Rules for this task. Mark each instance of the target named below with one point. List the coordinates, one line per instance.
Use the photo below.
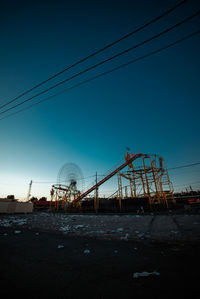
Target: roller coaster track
(106, 178)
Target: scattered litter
(60, 246)
(37, 234)
(12, 220)
(17, 232)
(140, 210)
(5, 223)
(5, 234)
(125, 238)
(116, 251)
(78, 226)
(120, 230)
(20, 222)
(135, 248)
(44, 214)
(145, 274)
(65, 229)
(141, 235)
(86, 251)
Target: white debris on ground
(60, 246)
(123, 227)
(145, 274)
(86, 251)
(17, 232)
(125, 238)
(64, 229)
(10, 221)
(120, 230)
(78, 226)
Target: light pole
(29, 190)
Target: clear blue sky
(151, 106)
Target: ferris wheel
(71, 175)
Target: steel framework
(62, 196)
(147, 177)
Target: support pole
(147, 182)
(96, 196)
(120, 191)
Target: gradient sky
(151, 106)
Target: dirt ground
(73, 262)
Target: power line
(183, 175)
(53, 182)
(106, 60)
(98, 51)
(107, 72)
(183, 166)
(186, 184)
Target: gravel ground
(46, 255)
(124, 227)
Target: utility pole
(29, 190)
(96, 196)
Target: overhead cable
(105, 61)
(106, 72)
(97, 52)
(183, 166)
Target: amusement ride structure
(147, 178)
(69, 185)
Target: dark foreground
(32, 266)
